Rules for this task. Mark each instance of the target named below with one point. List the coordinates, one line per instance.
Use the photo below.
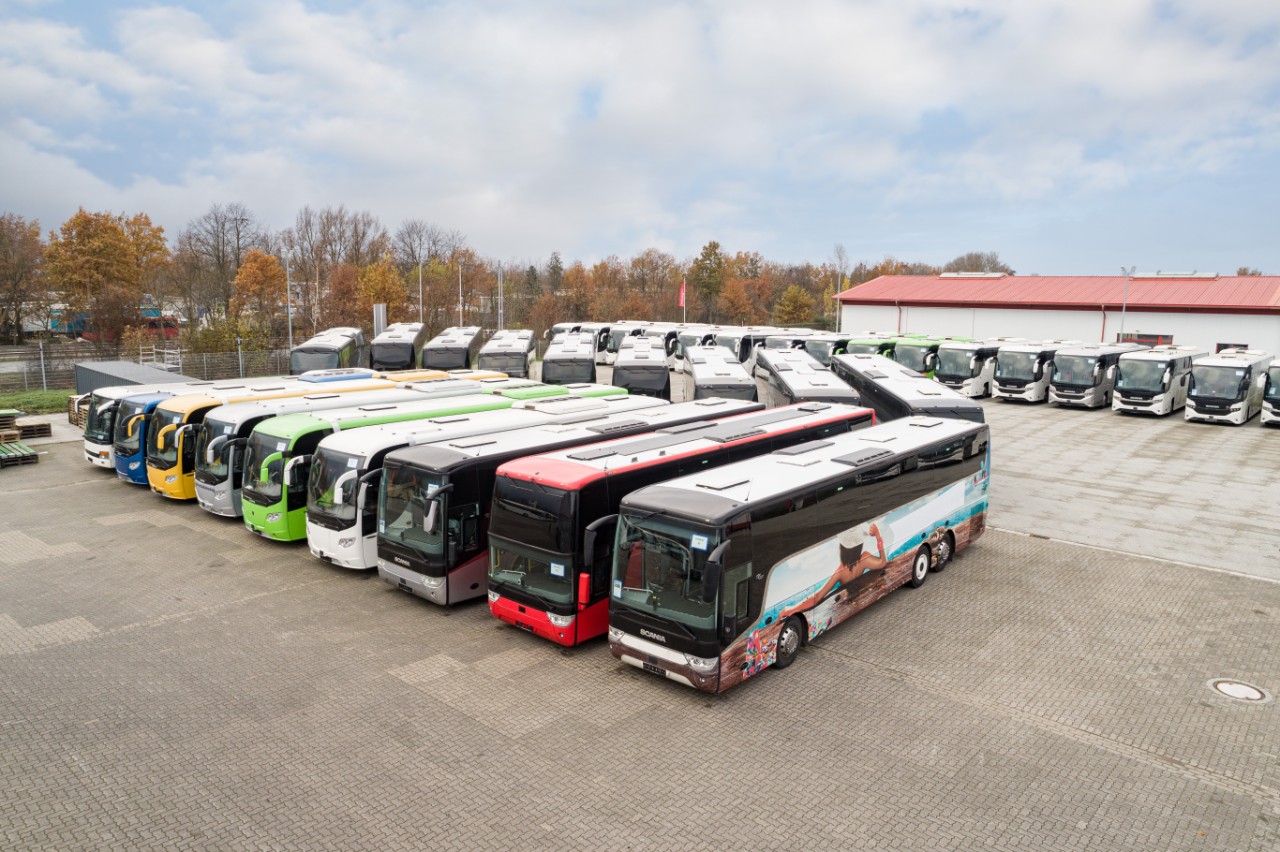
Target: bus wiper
(519, 577)
(524, 509)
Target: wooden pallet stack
(12, 434)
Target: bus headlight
(169, 480)
(273, 517)
(560, 620)
(346, 542)
(702, 665)
(1235, 408)
(494, 597)
(615, 635)
(134, 465)
(433, 582)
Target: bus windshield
(911, 356)
(264, 492)
(615, 338)
(564, 372)
(128, 443)
(99, 420)
(956, 362)
(658, 568)
(168, 456)
(330, 469)
(212, 473)
(1022, 366)
(503, 362)
(1229, 383)
(301, 361)
(393, 355)
(1075, 370)
(1273, 385)
(1141, 375)
(820, 350)
(548, 576)
(404, 503)
(862, 348)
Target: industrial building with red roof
(1211, 311)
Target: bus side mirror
(1111, 372)
(584, 590)
(273, 460)
(431, 523)
(214, 447)
(713, 572)
(128, 428)
(163, 433)
(290, 465)
(341, 485)
(589, 537)
(369, 480)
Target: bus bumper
(96, 454)
(533, 621)
(419, 585)
(664, 662)
(217, 501)
(344, 548)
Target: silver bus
(331, 349)
(1085, 376)
(1228, 387)
(788, 376)
(509, 351)
(1154, 381)
(398, 347)
(1023, 370)
(570, 358)
(893, 391)
(712, 370)
(453, 349)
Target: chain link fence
(30, 368)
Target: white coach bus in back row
(1154, 381)
(1227, 387)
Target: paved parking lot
(167, 680)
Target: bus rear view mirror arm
(431, 523)
(290, 465)
(589, 536)
(160, 436)
(215, 446)
(712, 572)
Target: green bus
(921, 353)
(278, 452)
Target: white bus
(712, 370)
(641, 367)
(969, 367)
(893, 391)
(509, 351)
(720, 574)
(454, 348)
(1270, 415)
(331, 349)
(1085, 376)
(788, 376)
(1154, 381)
(1023, 370)
(398, 347)
(342, 489)
(571, 357)
(1227, 387)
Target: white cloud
(607, 128)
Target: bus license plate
(651, 668)
(404, 587)
(528, 628)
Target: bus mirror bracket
(431, 522)
(589, 536)
(215, 446)
(340, 485)
(290, 465)
(712, 573)
(367, 481)
(132, 421)
(160, 436)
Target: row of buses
(407, 346)
(708, 539)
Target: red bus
(552, 521)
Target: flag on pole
(680, 304)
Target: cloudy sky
(1071, 137)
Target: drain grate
(1239, 690)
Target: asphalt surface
(169, 681)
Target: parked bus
(219, 472)
(1270, 415)
(1085, 376)
(892, 391)
(509, 351)
(687, 338)
(743, 340)
(561, 328)
(570, 358)
(1227, 387)
(1154, 381)
(453, 349)
(171, 439)
(969, 367)
(552, 523)
(721, 574)
(435, 499)
(868, 343)
(713, 371)
(342, 489)
(618, 332)
(104, 406)
(641, 367)
(331, 349)
(787, 376)
(1024, 370)
(279, 451)
(921, 353)
(130, 435)
(398, 347)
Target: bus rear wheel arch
(790, 638)
(920, 566)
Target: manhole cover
(1239, 690)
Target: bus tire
(946, 551)
(790, 637)
(920, 566)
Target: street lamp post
(419, 290)
(459, 292)
(288, 301)
(1124, 306)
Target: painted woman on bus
(857, 570)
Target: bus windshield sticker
(351, 462)
(617, 588)
(698, 542)
(557, 569)
(280, 446)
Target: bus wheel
(946, 549)
(788, 643)
(920, 567)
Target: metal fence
(54, 367)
